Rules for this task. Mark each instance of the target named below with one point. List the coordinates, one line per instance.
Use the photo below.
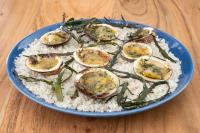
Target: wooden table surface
(180, 18)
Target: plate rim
(42, 102)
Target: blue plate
(175, 47)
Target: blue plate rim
(95, 114)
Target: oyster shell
(134, 50)
(101, 32)
(46, 64)
(152, 69)
(91, 57)
(55, 38)
(97, 83)
(144, 35)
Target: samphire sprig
(140, 101)
(66, 65)
(123, 74)
(34, 59)
(78, 39)
(163, 52)
(56, 83)
(51, 54)
(78, 25)
(114, 58)
(123, 24)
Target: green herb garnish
(163, 52)
(75, 95)
(66, 65)
(125, 74)
(32, 79)
(49, 54)
(78, 25)
(121, 25)
(114, 58)
(140, 100)
(56, 86)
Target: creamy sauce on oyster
(101, 32)
(55, 38)
(45, 63)
(152, 68)
(134, 50)
(91, 57)
(97, 82)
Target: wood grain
(181, 18)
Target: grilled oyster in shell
(97, 83)
(55, 38)
(152, 69)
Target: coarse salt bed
(82, 102)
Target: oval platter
(175, 47)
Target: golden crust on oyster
(101, 32)
(134, 50)
(91, 57)
(143, 35)
(97, 83)
(55, 38)
(152, 69)
(46, 64)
